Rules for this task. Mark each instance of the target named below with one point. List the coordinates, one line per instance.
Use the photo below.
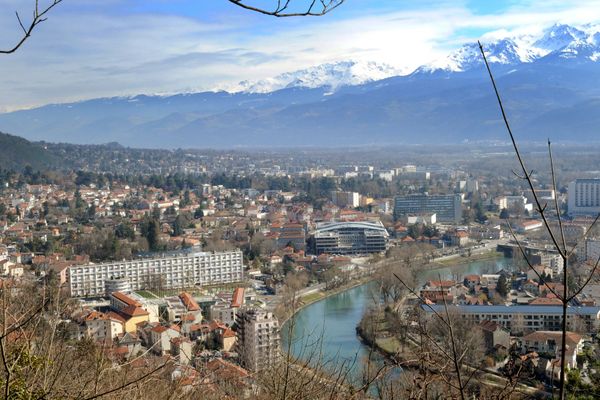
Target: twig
(38, 18)
(280, 10)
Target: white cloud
(84, 53)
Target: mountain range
(548, 83)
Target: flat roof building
(584, 197)
(173, 271)
(527, 318)
(448, 208)
(350, 237)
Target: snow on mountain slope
(332, 75)
(564, 41)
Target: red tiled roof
(189, 301)
(125, 299)
(226, 370)
(238, 298)
(134, 311)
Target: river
(326, 331)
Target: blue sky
(97, 48)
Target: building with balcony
(259, 338)
(584, 197)
(529, 318)
(171, 271)
(446, 207)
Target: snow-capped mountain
(548, 81)
(331, 75)
(560, 40)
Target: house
(160, 338)
(495, 336)
(101, 327)
(549, 342)
(131, 342)
(182, 348)
(459, 238)
(471, 281)
(129, 309)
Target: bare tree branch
(39, 16)
(522, 250)
(518, 153)
(314, 9)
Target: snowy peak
(331, 75)
(503, 51)
(563, 41)
(558, 37)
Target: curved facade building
(350, 237)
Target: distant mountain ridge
(548, 82)
(331, 75)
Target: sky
(102, 48)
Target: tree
(558, 239)
(151, 231)
(502, 286)
(504, 214)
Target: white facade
(592, 250)
(584, 197)
(171, 272)
(345, 199)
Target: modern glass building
(350, 237)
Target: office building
(170, 271)
(350, 237)
(446, 207)
(584, 197)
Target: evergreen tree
(502, 286)
(151, 231)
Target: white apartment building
(172, 271)
(527, 318)
(584, 197)
(345, 199)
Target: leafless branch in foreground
(39, 16)
(559, 242)
(314, 8)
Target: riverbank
(312, 298)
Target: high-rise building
(259, 338)
(446, 207)
(171, 271)
(584, 197)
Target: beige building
(259, 338)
